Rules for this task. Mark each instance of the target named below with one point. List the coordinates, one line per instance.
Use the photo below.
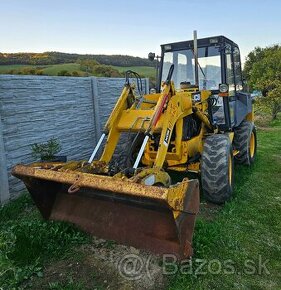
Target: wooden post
(4, 185)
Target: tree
(106, 71)
(88, 65)
(255, 56)
(263, 71)
(271, 99)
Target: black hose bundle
(132, 74)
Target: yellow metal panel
(149, 101)
(171, 116)
(137, 120)
(120, 105)
(112, 141)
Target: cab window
(209, 69)
(237, 69)
(229, 70)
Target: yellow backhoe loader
(198, 119)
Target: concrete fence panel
(34, 109)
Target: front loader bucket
(157, 219)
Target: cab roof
(202, 42)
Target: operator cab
(218, 63)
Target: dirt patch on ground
(262, 120)
(105, 265)
(268, 129)
(208, 211)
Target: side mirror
(151, 56)
(246, 87)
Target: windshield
(184, 71)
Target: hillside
(71, 64)
(47, 58)
(73, 69)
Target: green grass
(236, 236)
(247, 228)
(276, 123)
(145, 71)
(27, 242)
(52, 70)
(4, 69)
(68, 285)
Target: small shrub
(106, 71)
(28, 71)
(64, 73)
(39, 72)
(46, 151)
(75, 74)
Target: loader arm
(174, 113)
(118, 108)
(148, 119)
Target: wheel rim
(252, 145)
(230, 169)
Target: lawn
(5, 69)
(52, 70)
(246, 232)
(237, 246)
(146, 71)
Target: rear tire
(217, 169)
(245, 141)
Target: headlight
(167, 47)
(223, 88)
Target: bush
(39, 72)
(87, 65)
(75, 74)
(64, 73)
(46, 151)
(271, 100)
(106, 71)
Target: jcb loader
(198, 120)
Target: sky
(133, 27)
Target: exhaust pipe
(196, 57)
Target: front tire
(217, 169)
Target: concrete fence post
(4, 184)
(95, 97)
(147, 85)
